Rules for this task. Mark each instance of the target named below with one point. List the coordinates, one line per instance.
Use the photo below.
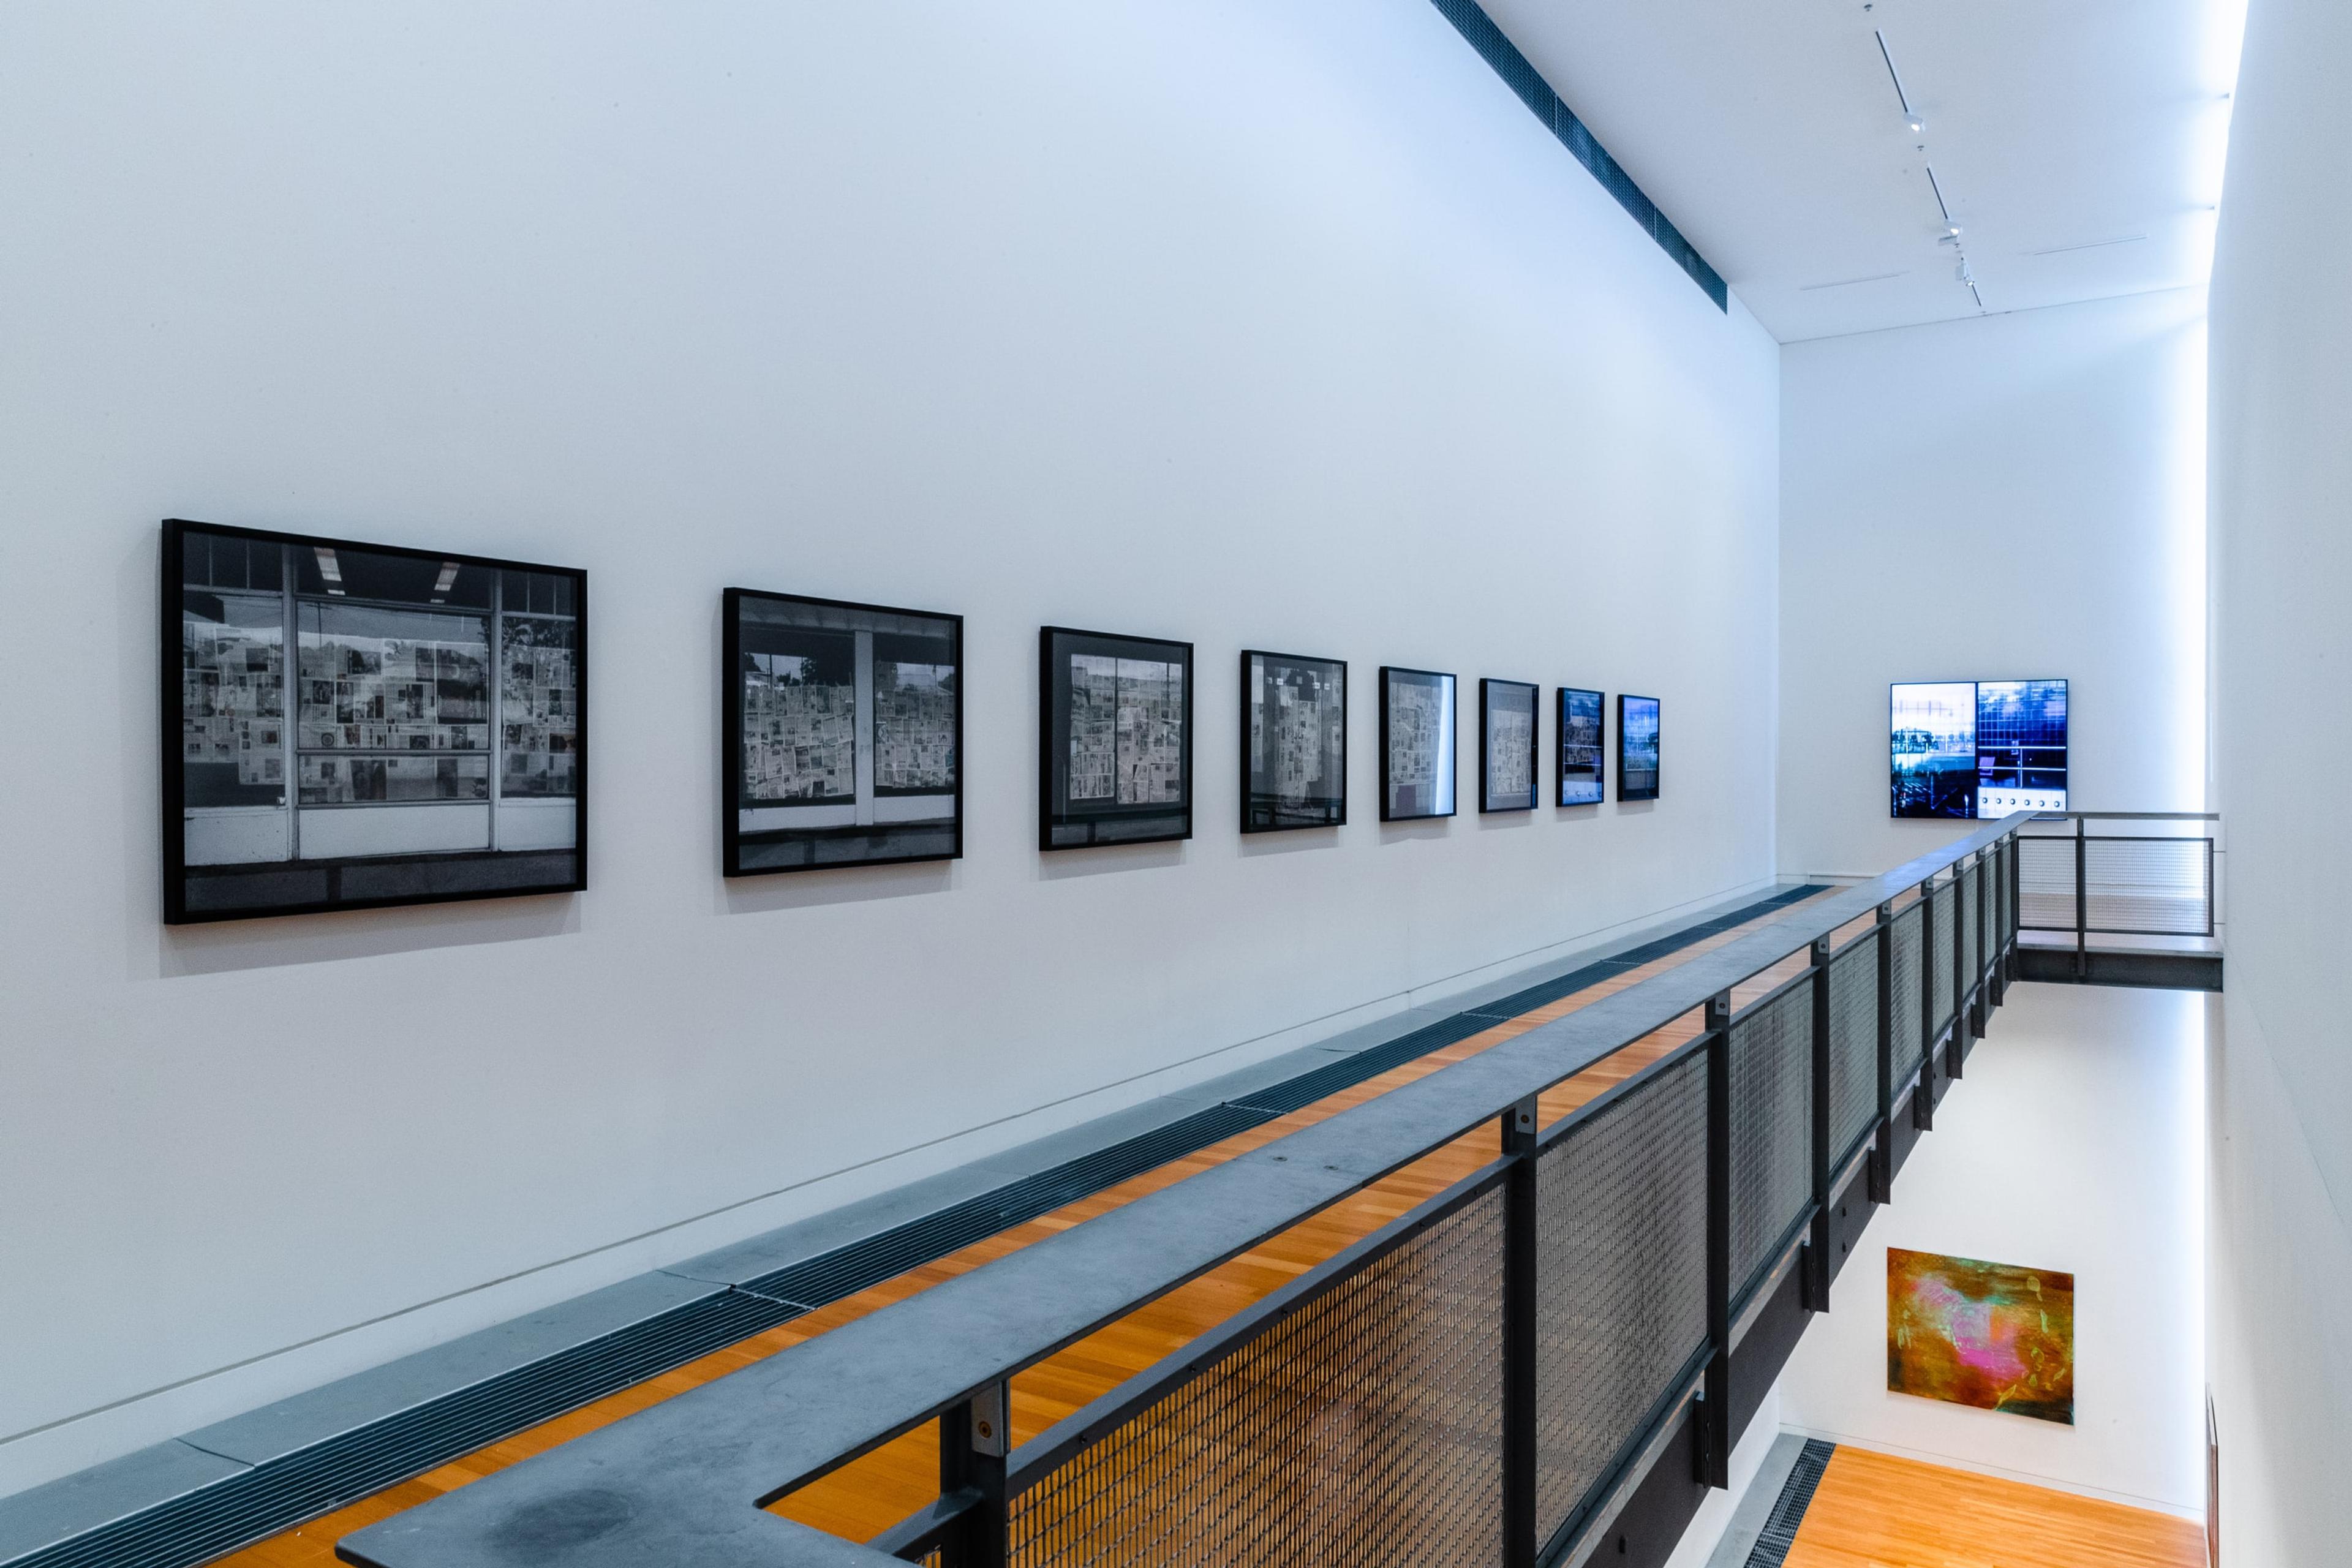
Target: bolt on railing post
(1714, 1411)
(1520, 1243)
(1817, 1271)
(974, 1438)
(1882, 1153)
(1923, 1100)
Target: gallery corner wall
(1281, 329)
(2282, 1076)
(2077, 1148)
(2063, 446)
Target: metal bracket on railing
(974, 1438)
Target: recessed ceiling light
(2089, 245)
(1848, 282)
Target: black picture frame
(1264, 805)
(1119, 769)
(383, 794)
(1640, 732)
(817, 818)
(1418, 759)
(1580, 771)
(1508, 770)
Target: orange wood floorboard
(1874, 1510)
(865, 1497)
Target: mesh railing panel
(1854, 1043)
(1621, 1272)
(1971, 939)
(1939, 962)
(2149, 886)
(2003, 853)
(1908, 1045)
(2045, 882)
(1365, 1425)
(1771, 1127)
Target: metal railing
(2157, 878)
(1485, 1380)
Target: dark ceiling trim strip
(1522, 78)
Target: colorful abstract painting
(1988, 1334)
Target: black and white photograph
(843, 734)
(1580, 753)
(1294, 741)
(1417, 744)
(1115, 728)
(1637, 748)
(1507, 744)
(426, 742)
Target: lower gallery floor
(1874, 1510)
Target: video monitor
(1977, 748)
(1580, 770)
(1637, 748)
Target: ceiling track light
(1911, 118)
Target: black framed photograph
(351, 726)
(1294, 741)
(1578, 764)
(1115, 728)
(1417, 761)
(1507, 744)
(842, 734)
(1637, 748)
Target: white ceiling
(1769, 132)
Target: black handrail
(686, 1479)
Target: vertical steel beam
(974, 1439)
(1963, 1000)
(2082, 901)
(2014, 914)
(1882, 1153)
(1520, 1243)
(1715, 1410)
(1817, 1261)
(1923, 1102)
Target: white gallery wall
(2075, 1143)
(1261, 326)
(2012, 497)
(2282, 1084)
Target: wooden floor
(1872, 1511)
(867, 1497)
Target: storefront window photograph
(434, 740)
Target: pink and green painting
(1989, 1334)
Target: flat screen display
(1637, 748)
(1977, 748)
(1580, 746)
